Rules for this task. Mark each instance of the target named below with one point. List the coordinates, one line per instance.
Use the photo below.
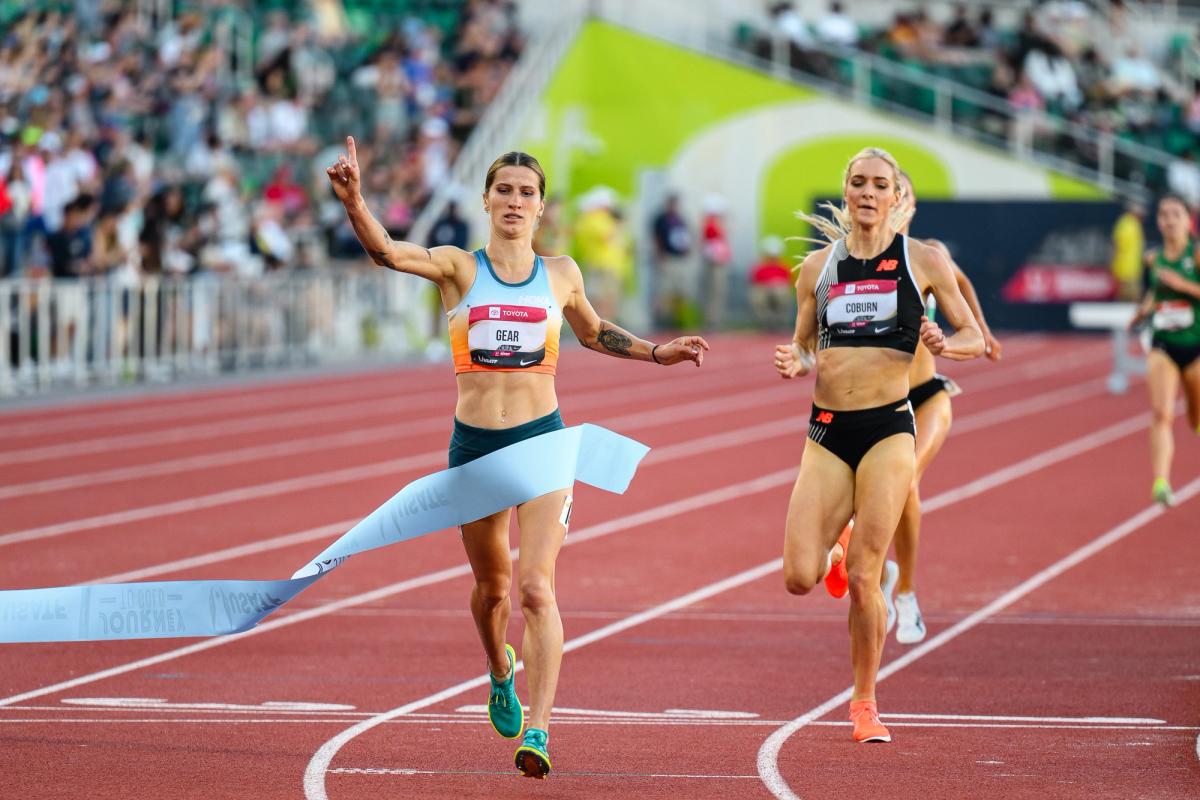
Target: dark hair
(516, 158)
(1172, 197)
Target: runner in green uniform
(1172, 306)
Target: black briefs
(849, 435)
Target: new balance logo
(887, 265)
(825, 417)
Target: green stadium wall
(622, 103)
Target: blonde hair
(840, 225)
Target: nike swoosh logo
(884, 329)
(525, 363)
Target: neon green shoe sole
(504, 707)
(1161, 492)
(532, 757)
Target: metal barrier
(96, 331)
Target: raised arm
(605, 337)
(437, 264)
(967, 341)
(798, 357)
(991, 346)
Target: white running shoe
(912, 627)
(891, 574)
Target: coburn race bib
(862, 308)
(507, 336)
(1173, 315)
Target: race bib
(513, 337)
(1173, 315)
(862, 308)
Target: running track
(1064, 611)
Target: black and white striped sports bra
(869, 303)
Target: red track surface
(1005, 703)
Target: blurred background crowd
(157, 138)
(135, 144)
(1081, 62)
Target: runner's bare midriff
(851, 378)
(504, 399)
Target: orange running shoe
(837, 580)
(867, 727)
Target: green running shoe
(533, 758)
(1161, 492)
(504, 707)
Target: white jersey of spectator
(61, 187)
(1053, 77)
(84, 165)
(1183, 178)
(436, 152)
(179, 39)
(1133, 71)
(258, 126)
(222, 191)
(792, 27)
(288, 121)
(836, 27)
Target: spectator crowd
(1094, 64)
(132, 145)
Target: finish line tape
(160, 609)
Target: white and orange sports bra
(507, 327)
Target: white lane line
(768, 754)
(991, 718)
(306, 417)
(823, 616)
(257, 400)
(478, 714)
(429, 720)
(314, 780)
(359, 385)
(564, 774)
(314, 775)
(582, 399)
(658, 513)
(968, 423)
(1045, 401)
(695, 502)
(682, 411)
(294, 446)
(253, 423)
(1051, 365)
(699, 446)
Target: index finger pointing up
(352, 150)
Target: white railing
(58, 334)
(1079, 150)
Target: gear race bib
(513, 337)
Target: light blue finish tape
(446, 499)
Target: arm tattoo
(614, 340)
(381, 258)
